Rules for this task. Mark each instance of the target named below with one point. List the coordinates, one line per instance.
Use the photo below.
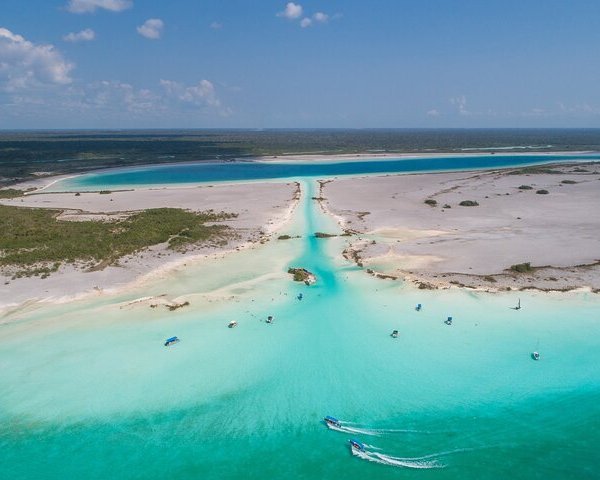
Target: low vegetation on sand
(11, 193)
(469, 203)
(302, 275)
(431, 202)
(522, 267)
(542, 192)
(324, 235)
(34, 241)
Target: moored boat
(270, 319)
(332, 421)
(448, 321)
(232, 324)
(535, 356)
(171, 341)
(394, 334)
(418, 307)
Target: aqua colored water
(88, 391)
(236, 171)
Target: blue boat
(448, 321)
(171, 341)
(332, 421)
(418, 307)
(300, 296)
(355, 445)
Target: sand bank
(262, 209)
(448, 244)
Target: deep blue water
(235, 171)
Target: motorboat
(171, 341)
(270, 319)
(448, 321)
(356, 446)
(394, 334)
(535, 356)
(300, 296)
(232, 324)
(332, 421)
(418, 307)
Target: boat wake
(347, 427)
(417, 463)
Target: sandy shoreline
(446, 245)
(263, 208)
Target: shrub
(525, 187)
(431, 202)
(446, 206)
(469, 203)
(542, 192)
(104, 192)
(284, 237)
(522, 267)
(569, 182)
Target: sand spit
(442, 244)
(262, 208)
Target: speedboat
(299, 297)
(332, 421)
(232, 324)
(171, 341)
(448, 321)
(356, 446)
(535, 355)
(394, 334)
(270, 319)
(418, 307)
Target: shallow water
(88, 391)
(191, 173)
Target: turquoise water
(88, 391)
(245, 171)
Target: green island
(34, 241)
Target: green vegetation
(12, 193)
(302, 275)
(568, 182)
(104, 192)
(33, 241)
(324, 235)
(469, 203)
(431, 202)
(525, 187)
(542, 192)
(284, 237)
(533, 171)
(522, 267)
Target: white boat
(535, 355)
(232, 324)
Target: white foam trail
(372, 447)
(376, 432)
(393, 461)
(344, 429)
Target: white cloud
(152, 28)
(25, 64)
(433, 113)
(461, 104)
(292, 11)
(321, 17)
(90, 6)
(216, 25)
(84, 36)
(201, 94)
(305, 22)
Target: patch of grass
(431, 202)
(522, 267)
(33, 238)
(533, 171)
(542, 192)
(11, 193)
(469, 203)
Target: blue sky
(313, 63)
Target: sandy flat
(261, 209)
(402, 235)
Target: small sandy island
(260, 207)
(522, 228)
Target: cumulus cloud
(203, 93)
(305, 22)
(292, 11)
(84, 36)
(321, 17)
(433, 113)
(461, 104)
(90, 6)
(216, 25)
(24, 64)
(152, 28)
